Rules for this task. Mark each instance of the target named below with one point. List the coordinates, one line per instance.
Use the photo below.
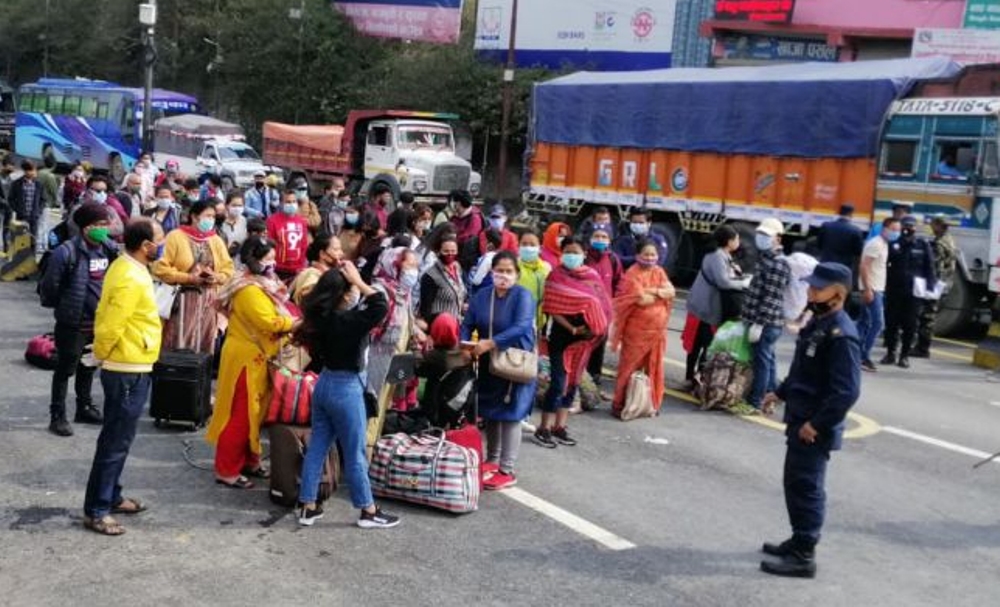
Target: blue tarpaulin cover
(807, 109)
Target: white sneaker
(528, 427)
(377, 520)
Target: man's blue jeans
(870, 324)
(765, 368)
(338, 412)
(125, 396)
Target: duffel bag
(426, 469)
(41, 352)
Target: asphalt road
(687, 498)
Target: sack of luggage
(638, 398)
(291, 398)
(428, 470)
(732, 339)
(288, 447)
(41, 352)
(722, 382)
(182, 386)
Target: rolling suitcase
(182, 385)
(288, 445)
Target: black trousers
(805, 490)
(595, 366)
(901, 312)
(70, 342)
(702, 340)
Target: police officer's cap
(829, 273)
(909, 220)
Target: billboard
(769, 11)
(593, 34)
(770, 48)
(982, 14)
(423, 20)
(960, 45)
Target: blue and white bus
(76, 120)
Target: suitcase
(182, 386)
(288, 444)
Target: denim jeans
(805, 491)
(870, 324)
(125, 396)
(765, 371)
(554, 397)
(338, 412)
(70, 342)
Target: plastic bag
(731, 338)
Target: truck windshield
(418, 137)
(238, 152)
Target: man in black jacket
(72, 285)
(910, 258)
(25, 197)
(840, 240)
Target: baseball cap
(771, 227)
(259, 173)
(498, 211)
(829, 273)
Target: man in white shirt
(871, 281)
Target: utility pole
(45, 39)
(508, 92)
(147, 17)
(300, 14)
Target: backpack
(722, 382)
(72, 261)
(451, 398)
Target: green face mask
(98, 235)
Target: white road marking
(568, 519)
(994, 403)
(936, 442)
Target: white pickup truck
(202, 145)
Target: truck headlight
(474, 189)
(419, 185)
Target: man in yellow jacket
(127, 342)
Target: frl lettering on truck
(793, 142)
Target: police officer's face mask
(822, 308)
(909, 232)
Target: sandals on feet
(241, 482)
(129, 505)
(105, 525)
(259, 472)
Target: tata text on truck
(736, 145)
(201, 144)
(407, 151)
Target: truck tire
(679, 251)
(746, 256)
(116, 169)
(955, 314)
(388, 180)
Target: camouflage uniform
(945, 254)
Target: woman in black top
(335, 330)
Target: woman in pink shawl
(580, 308)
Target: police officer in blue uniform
(840, 240)
(822, 385)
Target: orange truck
(407, 151)
(703, 147)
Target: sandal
(105, 525)
(241, 482)
(129, 505)
(259, 472)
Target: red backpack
(41, 352)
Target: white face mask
(763, 241)
(409, 278)
(163, 203)
(503, 281)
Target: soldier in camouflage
(945, 254)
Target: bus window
(38, 104)
(102, 111)
(24, 103)
(88, 107)
(899, 157)
(955, 159)
(55, 103)
(989, 169)
(71, 105)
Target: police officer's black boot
(799, 561)
(782, 549)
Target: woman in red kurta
(642, 310)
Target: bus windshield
(7, 103)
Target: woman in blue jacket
(502, 404)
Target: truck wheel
(746, 256)
(955, 312)
(389, 181)
(678, 250)
(116, 168)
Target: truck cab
(234, 161)
(419, 155)
(940, 155)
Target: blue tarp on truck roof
(811, 109)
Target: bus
(66, 121)
(6, 116)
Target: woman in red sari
(642, 310)
(580, 308)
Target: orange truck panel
(798, 190)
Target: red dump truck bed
(316, 148)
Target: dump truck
(407, 151)
(699, 148)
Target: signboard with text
(770, 48)
(423, 20)
(768, 11)
(982, 14)
(960, 45)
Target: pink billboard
(424, 20)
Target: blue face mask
(640, 229)
(100, 197)
(572, 261)
(599, 245)
(206, 225)
(892, 235)
(529, 254)
(351, 219)
(290, 209)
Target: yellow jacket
(178, 258)
(127, 328)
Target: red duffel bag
(41, 352)
(291, 397)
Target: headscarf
(550, 241)
(195, 234)
(444, 331)
(386, 276)
(272, 287)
